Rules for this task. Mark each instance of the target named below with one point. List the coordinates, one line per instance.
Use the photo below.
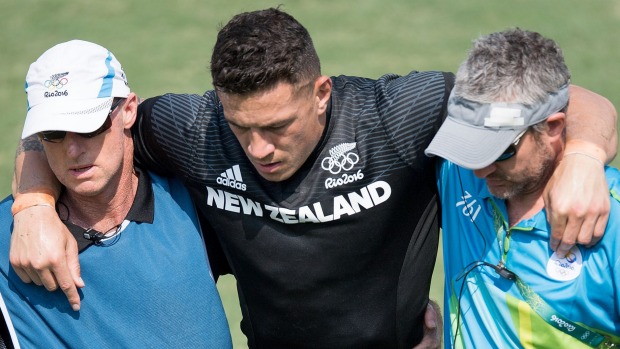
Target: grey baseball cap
(475, 134)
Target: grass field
(165, 46)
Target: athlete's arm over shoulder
(169, 127)
(42, 250)
(412, 108)
(155, 126)
(577, 195)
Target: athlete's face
(525, 173)
(279, 128)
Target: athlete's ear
(322, 91)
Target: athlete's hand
(577, 202)
(433, 328)
(43, 251)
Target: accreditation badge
(565, 268)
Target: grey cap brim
(475, 134)
(470, 146)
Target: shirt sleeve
(168, 129)
(412, 108)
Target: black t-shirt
(341, 254)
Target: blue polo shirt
(148, 287)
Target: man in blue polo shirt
(150, 283)
(502, 140)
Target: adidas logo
(232, 178)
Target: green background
(165, 46)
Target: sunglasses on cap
(58, 136)
(512, 148)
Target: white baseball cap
(71, 88)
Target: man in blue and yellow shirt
(504, 136)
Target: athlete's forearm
(147, 151)
(577, 196)
(591, 125)
(32, 173)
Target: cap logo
(55, 83)
(504, 116)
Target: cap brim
(80, 116)
(468, 146)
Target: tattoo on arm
(31, 143)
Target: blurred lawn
(165, 46)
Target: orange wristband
(27, 200)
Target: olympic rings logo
(340, 159)
(342, 162)
(56, 84)
(57, 81)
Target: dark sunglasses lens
(106, 125)
(52, 136)
(57, 136)
(508, 153)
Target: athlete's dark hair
(256, 50)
